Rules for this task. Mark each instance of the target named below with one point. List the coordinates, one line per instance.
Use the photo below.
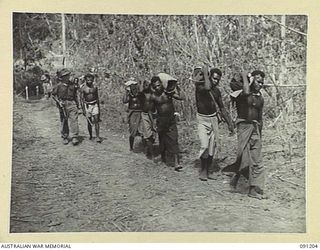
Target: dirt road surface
(106, 188)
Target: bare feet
(256, 193)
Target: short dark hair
(258, 72)
(215, 70)
(89, 75)
(155, 79)
(196, 70)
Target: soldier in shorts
(46, 85)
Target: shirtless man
(91, 106)
(166, 122)
(134, 98)
(208, 100)
(147, 119)
(249, 126)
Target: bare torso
(90, 94)
(147, 105)
(204, 100)
(163, 104)
(250, 107)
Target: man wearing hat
(91, 106)
(134, 98)
(166, 120)
(209, 105)
(249, 102)
(46, 85)
(66, 93)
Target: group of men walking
(151, 111)
(73, 99)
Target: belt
(69, 100)
(91, 103)
(211, 115)
(135, 110)
(240, 120)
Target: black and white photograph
(158, 123)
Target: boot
(203, 174)
(177, 166)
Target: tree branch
(291, 29)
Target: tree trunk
(196, 35)
(283, 56)
(63, 25)
(21, 40)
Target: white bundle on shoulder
(165, 78)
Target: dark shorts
(168, 134)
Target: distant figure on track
(90, 105)
(65, 94)
(134, 98)
(46, 85)
(249, 126)
(165, 90)
(208, 101)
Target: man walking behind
(249, 126)
(134, 98)
(209, 105)
(165, 90)
(90, 104)
(147, 119)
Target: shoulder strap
(214, 100)
(219, 116)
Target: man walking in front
(208, 100)
(46, 85)
(65, 94)
(249, 126)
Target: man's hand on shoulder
(231, 128)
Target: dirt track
(105, 187)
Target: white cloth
(165, 78)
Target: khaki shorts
(92, 109)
